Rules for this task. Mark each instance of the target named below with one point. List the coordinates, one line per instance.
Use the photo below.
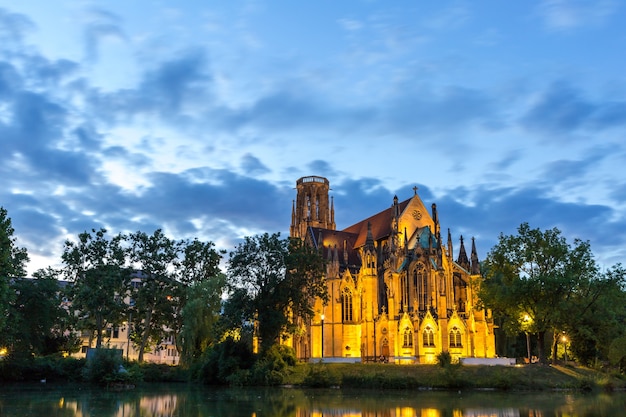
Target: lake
(181, 400)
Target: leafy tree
(595, 315)
(13, 261)
(37, 321)
(155, 299)
(199, 318)
(97, 267)
(201, 301)
(274, 282)
(536, 274)
(617, 353)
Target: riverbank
(345, 375)
(519, 378)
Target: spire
(345, 252)
(450, 250)
(435, 218)
(475, 263)
(396, 212)
(293, 217)
(369, 240)
(462, 260)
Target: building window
(116, 333)
(408, 337)
(346, 306)
(83, 349)
(455, 338)
(404, 283)
(429, 337)
(420, 284)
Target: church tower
(312, 207)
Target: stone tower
(312, 207)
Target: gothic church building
(397, 294)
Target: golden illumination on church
(397, 294)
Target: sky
(197, 117)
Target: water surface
(182, 400)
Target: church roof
(380, 224)
(326, 238)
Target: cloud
(572, 14)
(100, 25)
(563, 108)
(170, 89)
(13, 28)
(486, 212)
(253, 165)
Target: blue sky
(198, 117)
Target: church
(397, 294)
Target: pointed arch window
(408, 337)
(404, 282)
(429, 337)
(317, 207)
(308, 207)
(346, 306)
(455, 338)
(420, 284)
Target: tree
(201, 300)
(97, 267)
(199, 316)
(597, 316)
(38, 323)
(13, 261)
(536, 274)
(156, 259)
(274, 282)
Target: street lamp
(322, 317)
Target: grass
(523, 378)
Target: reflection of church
(396, 293)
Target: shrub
(444, 359)
(223, 360)
(104, 366)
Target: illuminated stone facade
(396, 293)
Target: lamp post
(322, 317)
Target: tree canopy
(273, 282)
(12, 263)
(96, 265)
(541, 283)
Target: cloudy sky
(198, 117)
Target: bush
(50, 368)
(444, 359)
(223, 360)
(104, 366)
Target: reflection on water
(198, 401)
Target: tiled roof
(381, 225)
(335, 238)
